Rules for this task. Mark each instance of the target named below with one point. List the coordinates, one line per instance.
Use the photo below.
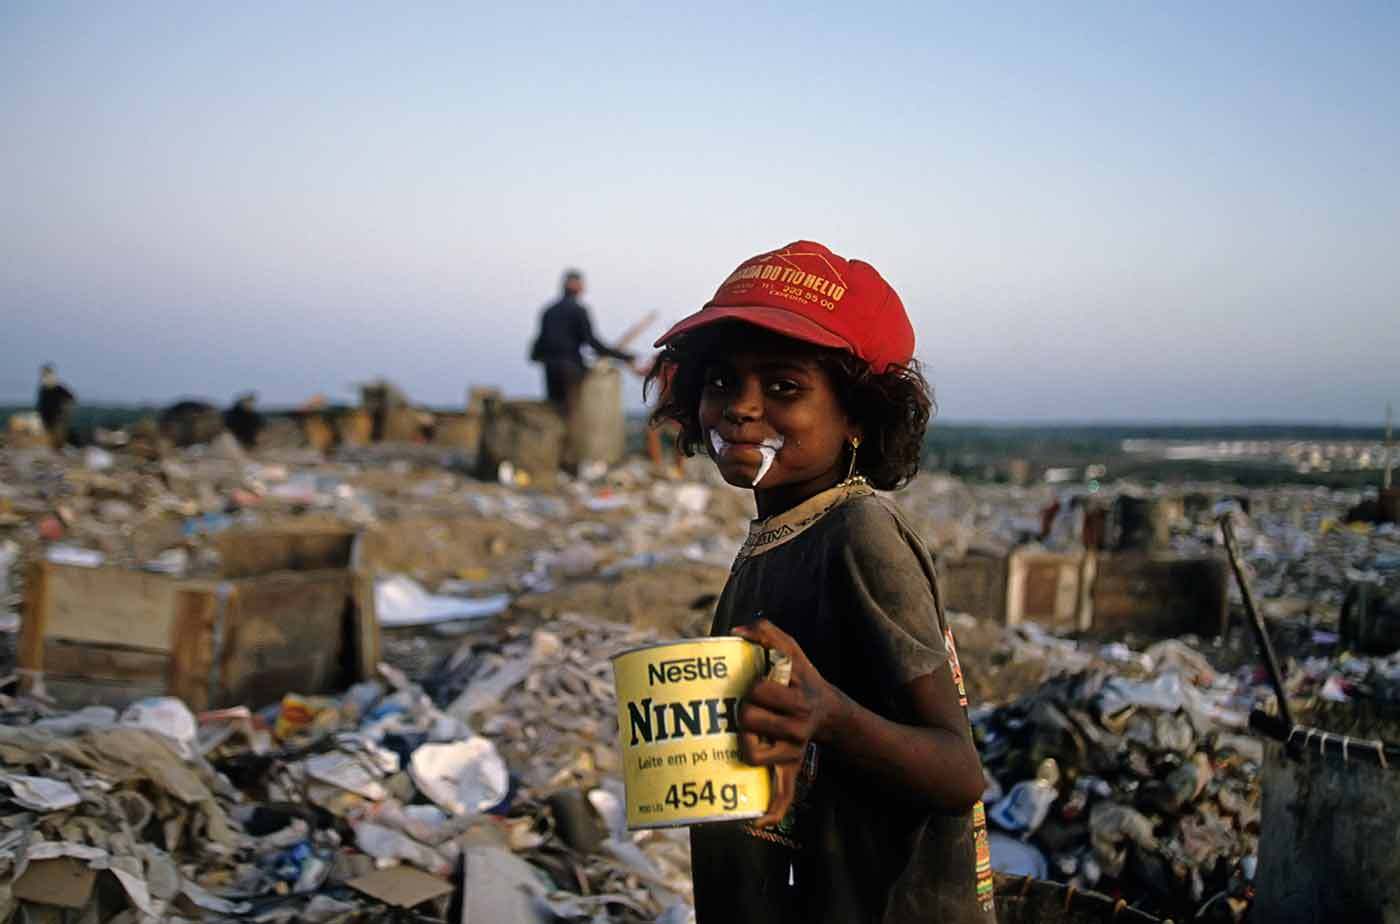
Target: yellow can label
(678, 724)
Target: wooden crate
(1160, 595)
(433, 548)
(402, 425)
(319, 432)
(108, 635)
(292, 547)
(356, 427)
(1048, 588)
(458, 431)
(975, 584)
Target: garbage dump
(1133, 774)
(495, 782)
(475, 772)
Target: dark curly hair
(892, 407)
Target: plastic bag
(168, 717)
(463, 777)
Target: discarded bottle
(1028, 804)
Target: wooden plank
(356, 428)
(1159, 596)
(75, 692)
(190, 669)
(1042, 591)
(34, 620)
(461, 431)
(975, 584)
(117, 664)
(402, 425)
(284, 632)
(109, 605)
(245, 553)
(366, 628)
(1084, 601)
(1043, 586)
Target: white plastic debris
(359, 772)
(426, 824)
(96, 459)
(166, 716)
(9, 554)
(39, 794)
(322, 909)
(208, 901)
(72, 555)
(592, 470)
(171, 561)
(463, 777)
(608, 800)
(384, 843)
(402, 601)
(692, 497)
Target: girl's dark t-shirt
(845, 576)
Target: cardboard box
(1160, 595)
(109, 635)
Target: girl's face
(772, 422)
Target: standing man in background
(564, 329)
(244, 420)
(53, 404)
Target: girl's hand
(776, 722)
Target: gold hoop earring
(851, 468)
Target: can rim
(687, 641)
(697, 820)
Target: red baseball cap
(806, 292)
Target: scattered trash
(171, 561)
(166, 716)
(464, 777)
(9, 554)
(402, 887)
(402, 601)
(97, 459)
(490, 761)
(359, 769)
(1125, 773)
(72, 555)
(386, 844)
(62, 882)
(498, 886)
(1016, 857)
(39, 794)
(1027, 804)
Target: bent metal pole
(1261, 633)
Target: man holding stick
(565, 329)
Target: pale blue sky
(1180, 211)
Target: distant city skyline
(1182, 212)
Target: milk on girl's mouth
(767, 451)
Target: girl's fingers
(760, 721)
(784, 791)
(777, 697)
(758, 751)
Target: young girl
(798, 380)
